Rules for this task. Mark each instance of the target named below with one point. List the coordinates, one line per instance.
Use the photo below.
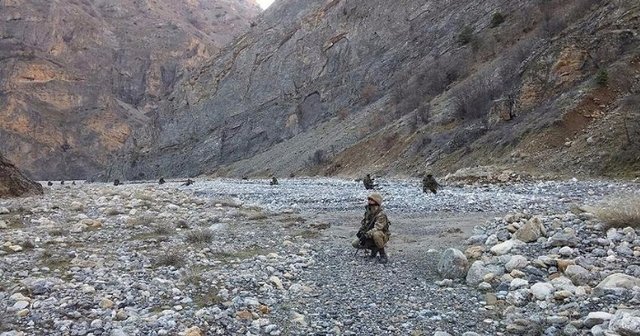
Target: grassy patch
(200, 236)
(13, 221)
(54, 262)
(163, 230)
(170, 259)
(193, 276)
(207, 297)
(58, 232)
(620, 212)
(308, 234)
(253, 214)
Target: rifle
(362, 232)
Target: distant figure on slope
(368, 182)
(429, 183)
(116, 182)
(188, 183)
(374, 229)
(161, 181)
(274, 181)
(49, 183)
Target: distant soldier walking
(274, 181)
(368, 182)
(374, 229)
(429, 183)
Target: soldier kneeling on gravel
(374, 229)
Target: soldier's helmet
(376, 197)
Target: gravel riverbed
(241, 257)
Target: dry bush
(368, 93)
(163, 230)
(174, 259)
(473, 98)
(412, 91)
(200, 236)
(57, 232)
(318, 158)
(620, 212)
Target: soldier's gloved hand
(369, 234)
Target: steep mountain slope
(76, 76)
(348, 86)
(14, 183)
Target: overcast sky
(264, 3)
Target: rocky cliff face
(347, 86)
(77, 76)
(14, 183)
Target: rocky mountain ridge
(77, 76)
(342, 87)
(14, 183)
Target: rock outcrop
(14, 183)
(317, 86)
(76, 77)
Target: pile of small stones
(562, 274)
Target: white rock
(516, 262)
(4, 211)
(15, 248)
(453, 264)
(594, 318)
(298, 318)
(19, 297)
(626, 323)
(578, 274)
(20, 305)
(542, 290)
(276, 281)
(503, 248)
(563, 283)
(531, 231)
(478, 270)
(617, 280)
(518, 283)
(441, 333)
(566, 251)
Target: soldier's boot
(383, 256)
(374, 252)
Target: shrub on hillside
(602, 77)
(497, 19)
(465, 36)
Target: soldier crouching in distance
(429, 184)
(374, 229)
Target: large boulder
(478, 270)
(505, 247)
(531, 231)
(578, 275)
(617, 281)
(625, 323)
(14, 183)
(453, 264)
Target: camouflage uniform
(429, 183)
(374, 229)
